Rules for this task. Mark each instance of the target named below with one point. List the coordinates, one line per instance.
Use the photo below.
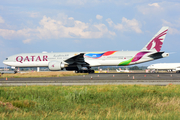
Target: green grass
(90, 102)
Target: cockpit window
(6, 58)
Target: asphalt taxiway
(98, 79)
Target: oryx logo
(157, 42)
(52, 65)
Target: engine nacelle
(55, 65)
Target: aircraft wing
(77, 59)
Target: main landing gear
(84, 71)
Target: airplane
(122, 70)
(7, 72)
(75, 61)
(165, 66)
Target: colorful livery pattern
(99, 55)
(136, 58)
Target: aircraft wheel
(92, 71)
(89, 71)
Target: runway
(98, 79)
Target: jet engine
(56, 65)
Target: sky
(87, 25)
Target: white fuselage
(92, 58)
(165, 66)
(122, 70)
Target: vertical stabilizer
(156, 42)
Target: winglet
(156, 42)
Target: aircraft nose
(4, 62)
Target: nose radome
(4, 62)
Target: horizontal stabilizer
(157, 54)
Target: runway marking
(96, 79)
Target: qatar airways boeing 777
(77, 60)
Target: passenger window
(6, 58)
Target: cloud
(166, 23)
(66, 27)
(119, 27)
(1, 20)
(76, 2)
(110, 22)
(99, 17)
(132, 24)
(99, 2)
(57, 29)
(174, 31)
(154, 5)
(33, 14)
(71, 18)
(150, 9)
(10, 34)
(126, 25)
(173, 28)
(77, 41)
(27, 41)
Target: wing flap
(77, 59)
